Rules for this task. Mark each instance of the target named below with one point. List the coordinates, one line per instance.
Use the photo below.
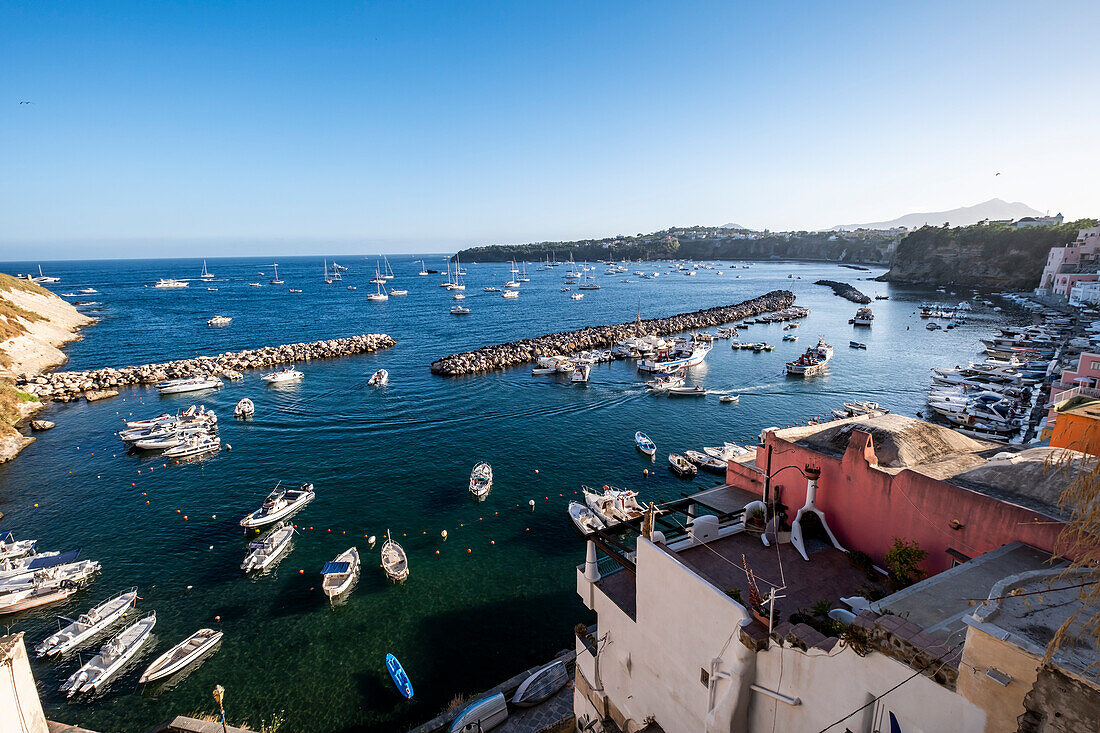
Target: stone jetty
(502, 356)
(844, 290)
(67, 386)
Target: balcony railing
(1063, 397)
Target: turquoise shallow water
(499, 596)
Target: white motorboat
(458, 310)
(379, 378)
(340, 574)
(584, 518)
(282, 376)
(11, 548)
(64, 573)
(577, 296)
(87, 625)
(510, 294)
(180, 436)
(481, 480)
(14, 567)
(813, 361)
(458, 296)
(195, 446)
(581, 373)
(727, 398)
(182, 655)
(644, 444)
(613, 505)
(727, 451)
(169, 283)
(542, 371)
(45, 278)
(280, 504)
(164, 417)
(683, 391)
(97, 672)
(394, 560)
(491, 289)
(398, 293)
(194, 384)
(264, 553)
(245, 408)
(681, 466)
(864, 317)
(219, 321)
(682, 356)
(706, 462)
(28, 598)
(665, 383)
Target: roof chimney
(813, 473)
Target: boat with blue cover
(397, 672)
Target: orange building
(1078, 427)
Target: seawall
(502, 356)
(844, 290)
(67, 386)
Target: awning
(335, 567)
(48, 562)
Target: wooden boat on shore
(481, 715)
(541, 685)
(394, 561)
(182, 655)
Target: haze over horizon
(278, 128)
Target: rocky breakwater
(844, 290)
(502, 356)
(67, 386)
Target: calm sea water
(494, 598)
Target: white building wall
(20, 708)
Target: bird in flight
(26, 103)
(997, 174)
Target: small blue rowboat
(399, 677)
(644, 444)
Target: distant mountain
(993, 209)
(734, 226)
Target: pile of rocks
(501, 356)
(844, 290)
(66, 386)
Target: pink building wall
(867, 507)
(1061, 259)
(1088, 367)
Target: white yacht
(683, 355)
(459, 310)
(191, 384)
(87, 625)
(863, 317)
(387, 273)
(581, 374)
(276, 280)
(195, 446)
(264, 553)
(340, 574)
(510, 294)
(423, 269)
(577, 296)
(280, 504)
(219, 321)
(168, 283)
(182, 655)
(206, 274)
(281, 376)
(112, 657)
(813, 361)
(44, 278)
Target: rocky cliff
(993, 256)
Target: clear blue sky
(405, 126)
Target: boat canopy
(49, 562)
(335, 567)
(257, 545)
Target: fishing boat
(394, 561)
(481, 480)
(379, 378)
(11, 548)
(195, 446)
(340, 574)
(706, 462)
(683, 391)
(813, 362)
(681, 466)
(245, 408)
(264, 553)
(281, 376)
(682, 356)
(581, 373)
(863, 317)
(87, 625)
(584, 518)
(613, 505)
(182, 655)
(276, 280)
(644, 444)
(205, 274)
(541, 685)
(727, 398)
(167, 283)
(280, 504)
(191, 384)
(97, 672)
(458, 310)
(481, 715)
(397, 674)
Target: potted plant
(755, 521)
